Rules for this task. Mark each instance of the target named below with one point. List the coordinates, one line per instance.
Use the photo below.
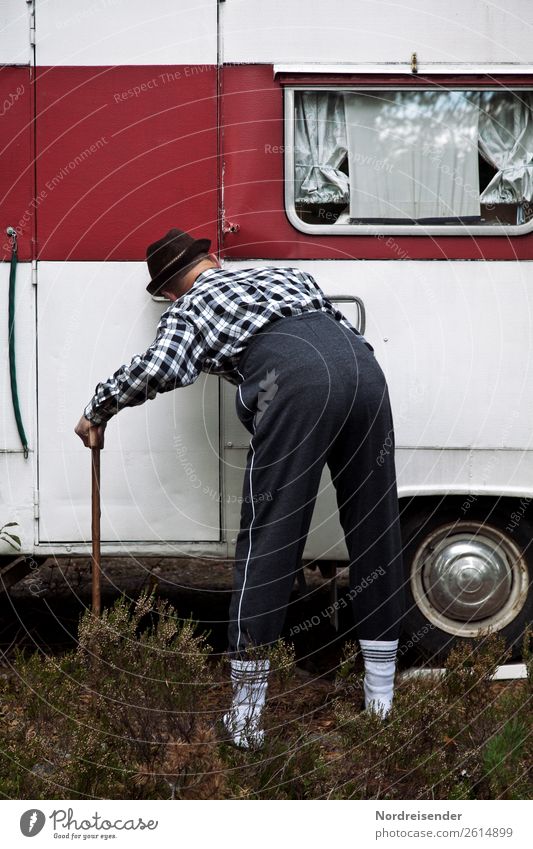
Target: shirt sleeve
(172, 360)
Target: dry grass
(131, 713)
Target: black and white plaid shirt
(206, 330)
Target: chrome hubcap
(468, 577)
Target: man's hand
(82, 429)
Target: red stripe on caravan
(253, 191)
(124, 153)
(16, 167)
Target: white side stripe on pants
(249, 548)
(240, 393)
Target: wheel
(466, 575)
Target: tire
(469, 569)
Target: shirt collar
(203, 273)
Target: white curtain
(412, 154)
(319, 148)
(506, 142)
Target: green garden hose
(11, 326)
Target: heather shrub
(133, 713)
(126, 715)
(456, 736)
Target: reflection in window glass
(404, 157)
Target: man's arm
(172, 360)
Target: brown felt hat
(170, 255)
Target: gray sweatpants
(312, 393)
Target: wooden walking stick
(94, 444)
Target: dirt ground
(44, 608)
(42, 611)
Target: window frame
(376, 229)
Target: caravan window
(409, 160)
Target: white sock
(243, 720)
(380, 666)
